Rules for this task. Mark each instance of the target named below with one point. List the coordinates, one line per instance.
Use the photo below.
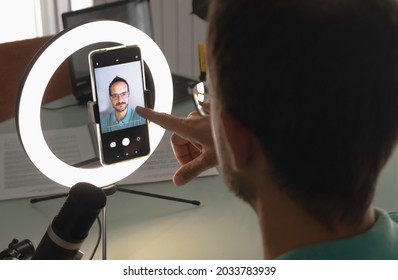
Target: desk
(143, 228)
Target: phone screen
(118, 87)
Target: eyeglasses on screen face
(122, 95)
(201, 98)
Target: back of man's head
(316, 81)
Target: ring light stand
(32, 89)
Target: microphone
(18, 250)
(70, 227)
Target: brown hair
(316, 81)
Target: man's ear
(242, 142)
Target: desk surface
(138, 227)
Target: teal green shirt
(378, 243)
(110, 123)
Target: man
(123, 116)
(303, 115)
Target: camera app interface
(119, 89)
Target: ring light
(40, 72)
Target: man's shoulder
(379, 242)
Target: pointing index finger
(167, 121)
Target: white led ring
(39, 74)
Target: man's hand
(191, 141)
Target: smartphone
(118, 86)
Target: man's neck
(120, 115)
(286, 226)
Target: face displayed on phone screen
(118, 77)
